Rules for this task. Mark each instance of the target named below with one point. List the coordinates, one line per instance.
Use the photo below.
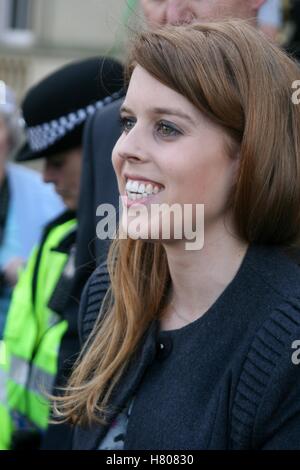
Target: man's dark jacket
(98, 184)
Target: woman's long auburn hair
(242, 82)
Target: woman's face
(4, 141)
(172, 149)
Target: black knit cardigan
(256, 402)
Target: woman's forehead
(145, 91)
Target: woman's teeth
(136, 190)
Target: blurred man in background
(185, 11)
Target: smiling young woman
(193, 350)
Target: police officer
(54, 111)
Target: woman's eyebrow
(167, 111)
(124, 109)
(173, 112)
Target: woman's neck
(199, 277)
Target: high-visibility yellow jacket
(32, 336)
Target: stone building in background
(37, 36)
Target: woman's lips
(142, 201)
(141, 179)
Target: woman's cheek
(116, 161)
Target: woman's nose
(131, 146)
(130, 156)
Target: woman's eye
(164, 128)
(127, 123)
(167, 130)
